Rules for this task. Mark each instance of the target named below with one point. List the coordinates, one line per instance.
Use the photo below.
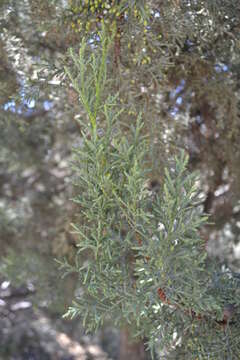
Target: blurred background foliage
(175, 61)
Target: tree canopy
(169, 68)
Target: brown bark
(130, 349)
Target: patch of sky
(198, 119)
(30, 103)
(179, 100)
(221, 68)
(174, 111)
(189, 45)
(27, 104)
(189, 42)
(94, 40)
(177, 90)
(64, 3)
(10, 106)
(47, 105)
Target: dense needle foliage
(141, 259)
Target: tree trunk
(131, 349)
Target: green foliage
(90, 88)
(140, 256)
(89, 15)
